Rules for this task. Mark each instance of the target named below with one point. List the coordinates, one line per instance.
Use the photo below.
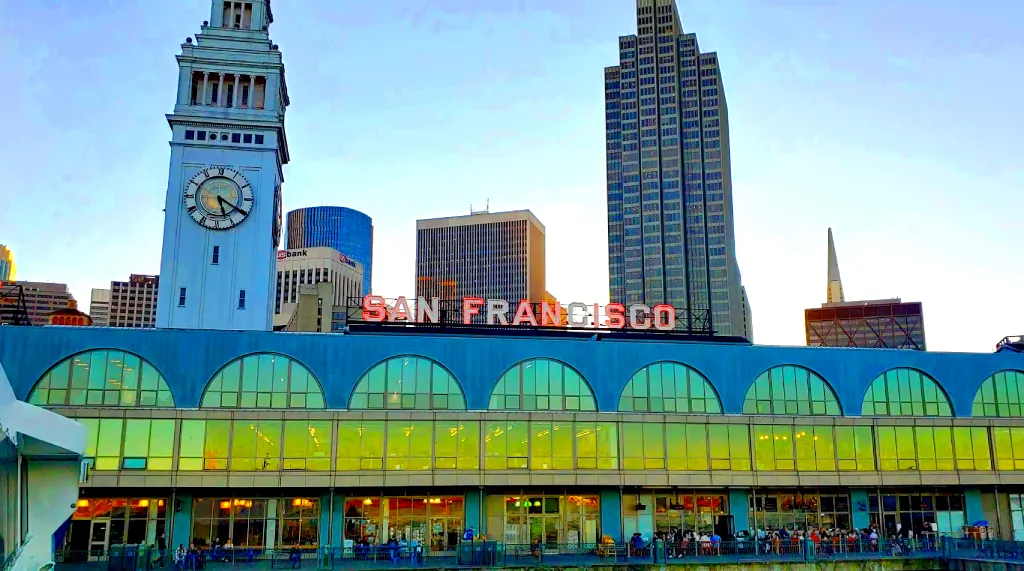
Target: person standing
(161, 545)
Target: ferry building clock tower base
(222, 222)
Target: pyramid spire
(835, 283)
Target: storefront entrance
(99, 538)
(99, 523)
(433, 521)
(555, 521)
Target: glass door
(99, 537)
(552, 532)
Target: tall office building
(670, 214)
(40, 299)
(312, 266)
(133, 303)
(347, 231)
(8, 271)
(496, 255)
(883, 323)
(222, 221)
(99, 307)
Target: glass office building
(347, 231)
(273, 439)
(670, 212)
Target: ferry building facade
(275, 439)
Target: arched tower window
(669, 387)
(1002, 394)
(408, 382)
(102, 377)
(905, 392)
(542, 384)
(791, 389)
(263, 380)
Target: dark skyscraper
(670, 222)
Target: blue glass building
(347, 231)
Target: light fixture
(143, 503)
(225, 505)
(367, 502)
(83, 503)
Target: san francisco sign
(500, 312)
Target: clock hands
(222, 202)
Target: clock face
(218, 198)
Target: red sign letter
(550, 316)
(374, 308)
(664, 317)
(470, 307)
(524, 313)
(616, 313)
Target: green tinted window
(542, 384)
(457, 445)
(409, 444)
(669, 387)
(687, 446)
(896, 450)
(1002, 394)
(729, 446)
(265, 380)
(855, 449)
(360, 445)
(102, 377)
(643, 446)
(773, 447)
(905, 392)
(789, 389)
(148, 444)
(972, 448)
(597, 446)
(408, 382)
(307, 445)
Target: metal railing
(495, 554)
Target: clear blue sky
(898, 123)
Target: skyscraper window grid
(670, 233)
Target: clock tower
(222, 221)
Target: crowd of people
(678, 543)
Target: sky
(897, 123)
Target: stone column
(220, 92)
(231, 17)
(234, 97)
(250, 104)
(206, 84)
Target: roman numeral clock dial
(218, 198)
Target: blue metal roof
(189, 358)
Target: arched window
(905, 392)
(102, 377)
(669, 387)
(408, 382)
(791, 389)
(542, 384)
(1002, 394)
(263, 380)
